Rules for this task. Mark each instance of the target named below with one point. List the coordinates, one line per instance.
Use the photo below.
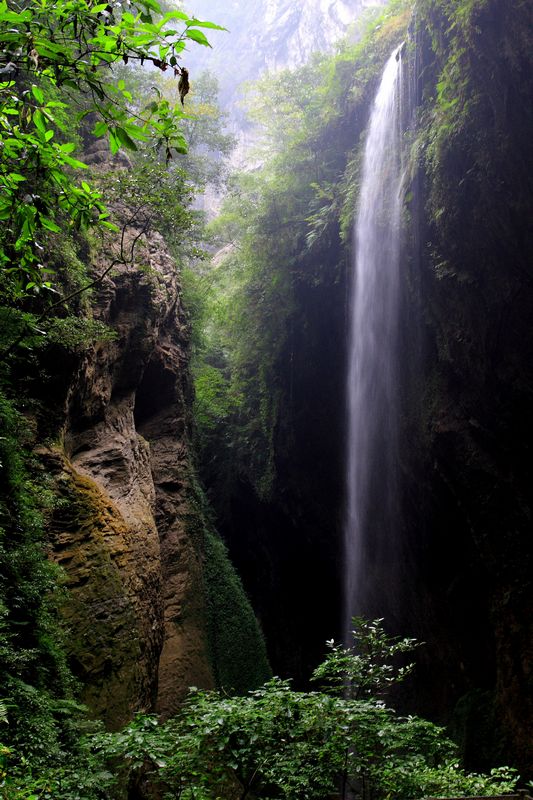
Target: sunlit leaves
(197, 23)
(368, 666)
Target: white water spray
(372, 374)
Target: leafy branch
(46, 48)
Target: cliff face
(269, 35)
(468, 501)
(462, 578)
(286, 540)
(119, 530)
(137, 598)
(266, 36)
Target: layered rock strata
(136, 608)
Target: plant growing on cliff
(40, 721)
(280, 248)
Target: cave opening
(156, 392)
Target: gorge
(188, 497)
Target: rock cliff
(459, 577)
(137, 601)
(468, 437)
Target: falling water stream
(372, 401)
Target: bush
(276, 743)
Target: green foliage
(209, 148)
(81, 774)
(211, 403)
(272, 743)
(475, 89)
(154, 197)
(71, 333)
(59, 65)
(279, 234)
(236, 646)
(276, 743)
(367, 667)
(35, 683)
(76, 334)
(52, 47)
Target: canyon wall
(467, 437)
(128, 528)
(460, 576)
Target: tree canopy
(56, 66)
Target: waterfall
(372, 390)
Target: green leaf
(198, 37)
(198, 23)
(135, 131)
(38, 94)
(114, 143)
(110, 226)
(152, 5)
(12, 17)
(100, 129)
(141, 39)
(50, 225)
(73, 162)
(125, 139)
(180, 144)
(38, 121)
(174, 15)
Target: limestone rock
(134, 577)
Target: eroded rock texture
(136, 608)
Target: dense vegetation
(63, 98)
(278, 743)
(272, 445)
(269, 362)
(473, 290)
(275, 227)
(268, 316)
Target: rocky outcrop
(136, 601)
(161, 415)
(113, 609)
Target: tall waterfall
(372, 401)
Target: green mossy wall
(236, 644)
(103, 637)
(467, 504)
